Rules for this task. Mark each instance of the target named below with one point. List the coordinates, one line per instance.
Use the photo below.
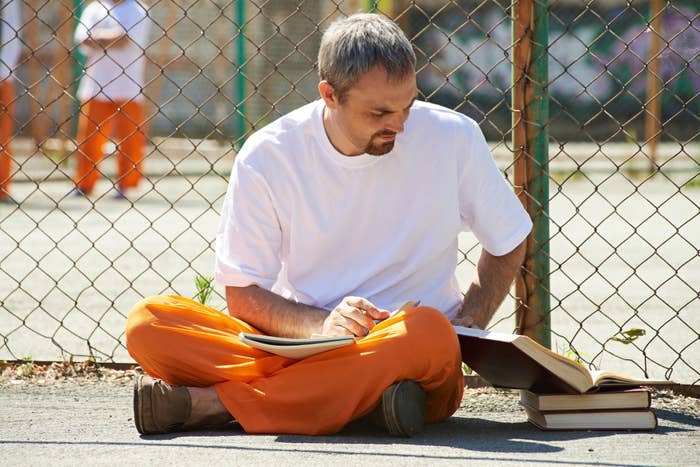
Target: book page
(611, 378)
(275, 340)
(295, 348)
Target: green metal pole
(531, 145)
(240, 78)
(78, 68)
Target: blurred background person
(10, 45)
(112, 34)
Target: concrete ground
(90, 423)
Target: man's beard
(380, 148)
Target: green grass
(693, 182)
(572, 354)
(561, 176)
(58, 157)
(27, 368)
(205, 287)
(466, 370)
(628, 336)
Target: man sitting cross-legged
(336, 214)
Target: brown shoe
(160, 407)
(401, 410)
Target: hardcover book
(515, 361)
(593, 420)
(605, 399)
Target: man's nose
(396, 121)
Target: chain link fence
(623, 156)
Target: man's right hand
(353, 316)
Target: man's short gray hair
(352, 46)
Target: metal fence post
(78, 67)
(530, 142)
(652, 114)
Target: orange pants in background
(7, 114)
(185, 343)
(98, 120)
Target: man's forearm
(114, 38)
(272, 314)
(494, 275)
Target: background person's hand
(353, 316)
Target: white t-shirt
(314, 226)
(10, 44)
(118, 73)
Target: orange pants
(7, 114)
(185, 343)
(97, 120)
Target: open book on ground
(515, 361)
(302, 348)
(605, 399)
(593, 420)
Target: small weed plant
(205, 287)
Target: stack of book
(605, 409)
(557, 393)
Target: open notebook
(302, 348)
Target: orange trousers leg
(128, 131)
(7, 113)
(94, 126)
(185, 343)
(97, 119)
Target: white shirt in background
(116, 74)
(10, 44)
(314, 226)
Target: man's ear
(327, 92)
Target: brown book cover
(604, 399)
(515, 361)
(593, 419)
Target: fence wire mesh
(624, 160)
